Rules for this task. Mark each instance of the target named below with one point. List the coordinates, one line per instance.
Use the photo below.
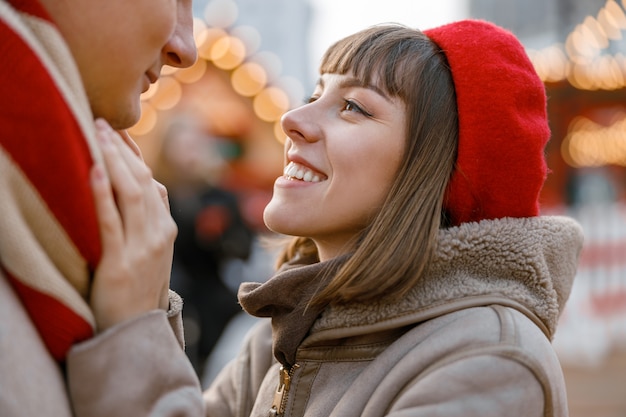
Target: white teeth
(290, 170)
(300, 172)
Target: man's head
(120, 47)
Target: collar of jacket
(285, 298)
(525, 263)
(528, 264)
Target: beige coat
(471, 340)
(134, 369)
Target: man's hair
(393, 252)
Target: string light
(228, 53)
(580, 60)
(584, 63)
(254, 74)
(249, 79)
(279, 133)
(270, 104)
(147, 121)
(589, 144)
(168, 94)
(193, 73)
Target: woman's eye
(350, 105)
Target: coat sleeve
(136, 368)
(485, 386)
(236, 387)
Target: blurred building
(537, 22)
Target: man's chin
(121, 117)
(122, 120)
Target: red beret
(503, 125)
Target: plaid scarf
(49, 239)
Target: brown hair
(392, 253)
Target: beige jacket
(471, 340)
(134, 369)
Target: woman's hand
(137, 233)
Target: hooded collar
(285, 298)
(527, 263)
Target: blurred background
(211, 134)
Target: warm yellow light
(193, 73)
(167, 95)
(250, 36)
(595, 32)
(199, 26)
(167, 70)
(609, 24)
(206, 39)
(557, 62)
(577, 77)
(228, 52)
(615, 73)
(270, 62)
(150, 93)
(550, 63)
(279, 133)
(270, 104)
(576, 47)
(147, 121)
(293, 87)
(616, 13)
(249, 79)
(589, 144)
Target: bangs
(380, 55)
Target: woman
(421, 279)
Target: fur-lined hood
(527, 263)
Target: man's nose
(180, 50)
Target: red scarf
(49, 241)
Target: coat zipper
(280, 396)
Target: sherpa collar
(528, 263)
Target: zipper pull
(280, 396)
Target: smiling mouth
(294, 171)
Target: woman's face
(342, 152)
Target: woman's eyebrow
(353, 82)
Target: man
(85, 237)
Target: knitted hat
(503, 126)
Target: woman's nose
(180, 50)
(302, 124)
